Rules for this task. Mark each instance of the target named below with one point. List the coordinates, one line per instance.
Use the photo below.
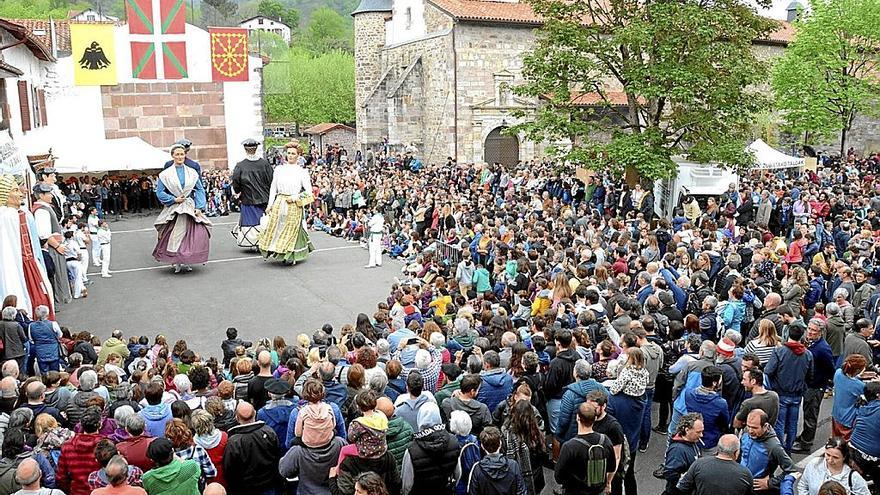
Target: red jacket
(76, 462)
(216, 455)
(134, 450)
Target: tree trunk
(843, 142)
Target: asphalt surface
(237, 288)
(262, 299)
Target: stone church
(436, 74)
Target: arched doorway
(501, 148)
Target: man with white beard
(375, 230)
(251, 180)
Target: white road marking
(226, 260)
(153, 229)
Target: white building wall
(244, 117)
(269, 25)
(37, 73)
(407, 21)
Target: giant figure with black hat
(251, 181)
(184, 230)
(49, 176)
(186, 144)
(22, 271)
(52, 242)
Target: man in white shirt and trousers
(375, 230)
(104, 236)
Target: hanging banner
(157, 34)
(229, 54)
(94, 54)
(174, 55)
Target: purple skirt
(193, 248)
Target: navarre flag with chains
(229, 54)
(157, 31)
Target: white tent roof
(767, 157)
(131, 153)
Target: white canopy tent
(125, 154)
(769, 158)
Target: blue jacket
(497, 386)
(644, 294)
(276, 415)
(823, 364)
(575, 394)
(764, 455)
(789, 372)
(155, 419)
(732, 315)
(290, 435)
(45, 341)
(335, 393)
(866, 435)
(680, 454)
(816, 292)
(714, 410)
(678, 293)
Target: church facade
(436, 74)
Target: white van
(698, 179)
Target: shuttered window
(24, 105)
(43, 118)
(4, 107)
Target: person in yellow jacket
(114, 344)
(541, 303)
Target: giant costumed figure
(184, 230)
(21, 260)
(285, 236)
(251, 181)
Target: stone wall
(161, 113)
(485, 50)
(428, 89)
(369, 38)
(343, 137)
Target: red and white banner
(229, 54)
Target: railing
(450, 253)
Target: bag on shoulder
(597, 462)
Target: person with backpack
(682, 451)
(495, 474)
(460, 425)
(587, 462)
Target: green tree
(219, 12)
(308, 89)
(828, 74)
(644, 81)
(328, 31)
(274, 9)
(38, 9)
(269, 44)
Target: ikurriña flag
(229, 54)
(94, 54)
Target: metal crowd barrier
(450, 253)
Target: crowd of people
(564, 313)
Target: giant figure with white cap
(184, 230)
(251, 181)
(376, 228)
(22, 271)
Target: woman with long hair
(561, 289)
(834, 465)
(523, 442)
(364, 326)
(766, 341)
(796, 286)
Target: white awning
(125, 154)
(767, 158)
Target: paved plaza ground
(261, 298)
